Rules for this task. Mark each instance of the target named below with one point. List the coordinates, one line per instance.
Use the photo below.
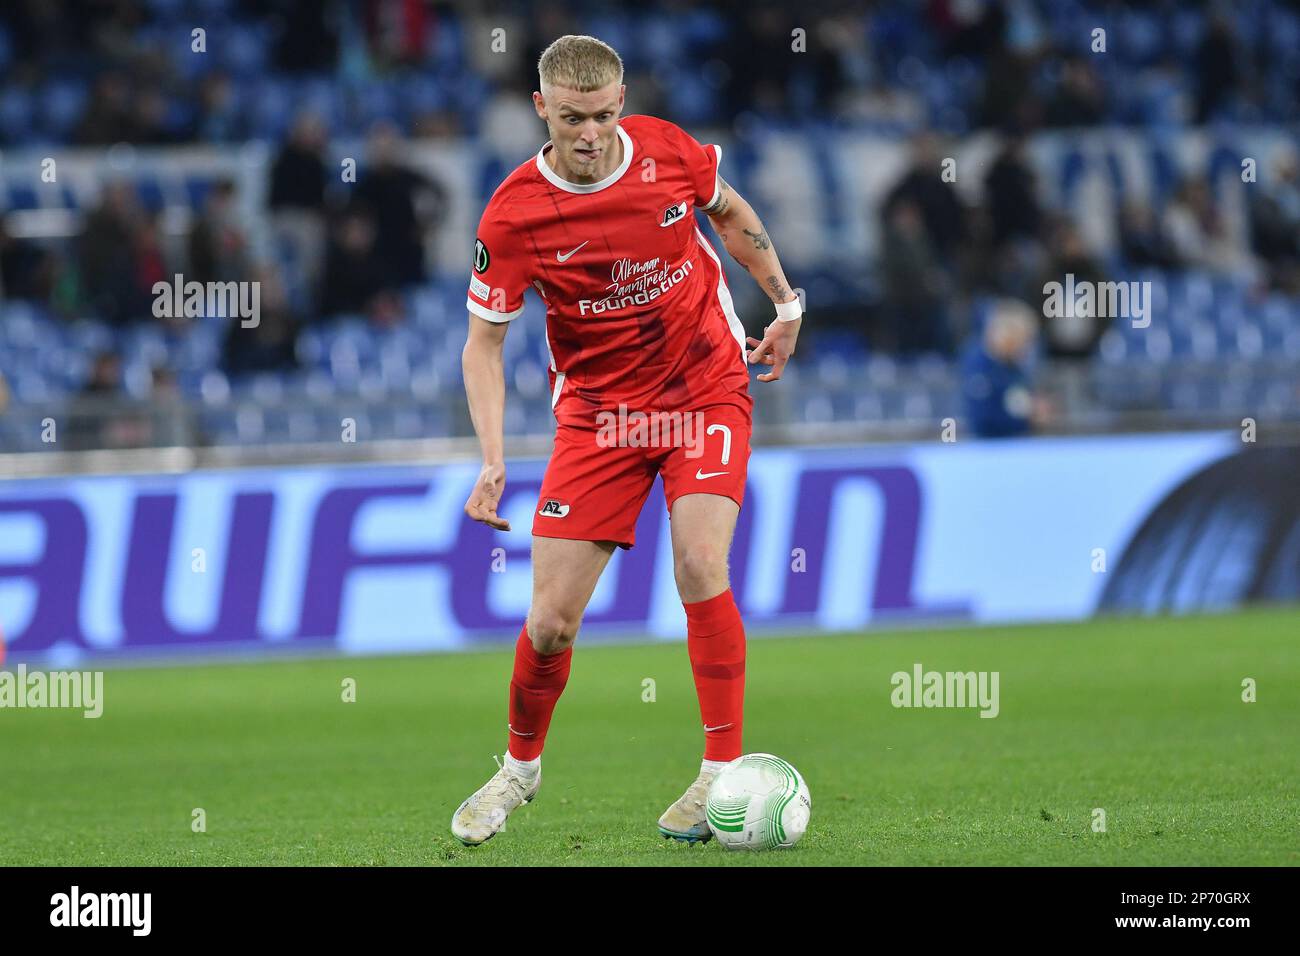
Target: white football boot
(483, 815)
(686, 820)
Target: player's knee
(701, 570)
(550, 631)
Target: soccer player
(639, 319)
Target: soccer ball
(758, 802)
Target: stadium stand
(1151, 140)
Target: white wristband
(789, 311)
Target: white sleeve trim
(717, 186)
(483, 312)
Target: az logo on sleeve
(481, 257)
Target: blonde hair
(580, 63)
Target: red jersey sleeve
(500, 271)
(702, 165)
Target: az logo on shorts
(554, 509)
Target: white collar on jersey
(555, 179)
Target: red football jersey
(637, 307)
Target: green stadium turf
(1142, 718)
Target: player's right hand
(483, 500)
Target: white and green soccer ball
(758, 802)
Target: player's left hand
(775, 349)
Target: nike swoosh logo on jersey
(719, 727)
(564, 256)
(701, 474)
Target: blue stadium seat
(833, 369)
(814, 408)
(881, 371)
(243, 48)
(16, 110)
(61, 106)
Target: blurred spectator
(1073, 331)
(114, 29)
(41, 34)
(759, 80)
(1199, 234)
(26, 270)
(1010, 190)
(942, 213)
(837, 57)
(915, 285)
(968, 29)
(1142, 243)
(438, 124)
(1079, 99)
(101, 416)
(1008, 231)
(355, 274)
(1275, 222)
(977, 261)
(218, 248)
(995, 382)
(1013, 44)
(298, 175)
(108, 117)
(297, 198)
(397, 31)
(163, 387)
(1217, 72)
(105, 376)
(880, 103)
(151, 267)
(220, 120)
(107, 256)
(269, 345)
(403, 202)
(308, 33)
(151, 125)
(169, 419)
(1009, 103)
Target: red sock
(535, 687)
(715, 640)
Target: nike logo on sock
(707, 728)
(518, 733)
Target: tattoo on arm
(777, 290)
(719, 205)
(759, 238)
(726, 244)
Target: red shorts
(597, 481)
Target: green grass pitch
(1141, 718)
